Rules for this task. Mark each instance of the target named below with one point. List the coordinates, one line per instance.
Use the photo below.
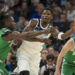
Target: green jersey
(4, 49)
(70, 56)
(68, 65)
(4, 46)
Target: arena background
(23, 11)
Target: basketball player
(67, 59)
(7, 34)
(29, 54)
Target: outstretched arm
(32, 23)
(61, 35)
(32, 34)
(72, 30)
(69, 32)
(44, 40)
(68, 46)
(24, 35)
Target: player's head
(46, 15)
(6, 21)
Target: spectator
(62, 3)
(13, 64)
(21, 24)
(32, 7)
(16, 2)
(73, 3)
(53, 5)
(39, 10)
(56, 14)
(70, 12)
(35, 2)
(24, 10)
(51, 50)
(50, 67)
(12, 13)
(44, 2)
(44, 53)
(63, 25)
(12, 52)
(1, 4)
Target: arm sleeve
(59, 35)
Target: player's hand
(47, 41)
(54, 32)
(33, 23)
(57, 73)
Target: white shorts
(29, 64)
(29, 57)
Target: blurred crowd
(23, 11)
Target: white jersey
(29, 47)
(28, 55)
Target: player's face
(46, 16)
(10, 23)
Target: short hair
(50, 56)
(48, 9)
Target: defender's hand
(47, 41)
(54, 32)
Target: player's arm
(32, 23)
(24, 35)
(68, 33)
(30, 26)
(61, 35)
(32, 34)
(68, 46)
(9, 35)
(65, 35)
(43, 40)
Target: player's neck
(44, 24)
